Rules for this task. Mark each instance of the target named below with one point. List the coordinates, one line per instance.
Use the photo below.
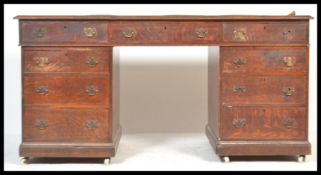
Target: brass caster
(107, 161)
(301, 158)
(226, 159)
(24, 161)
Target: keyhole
(264, 27)
(165, 27)
(65, 27)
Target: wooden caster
(301, 158)
(24, 161)
(107, 161)
(226, 159)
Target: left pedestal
(70, 102)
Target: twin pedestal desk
(257, 81)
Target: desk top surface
(165, 17)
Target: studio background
(162, 89)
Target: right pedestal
(257, 100)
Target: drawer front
(67, 90)
(143, 32)
(66, 125)
(264, 123)
(50, 32)
(264, 90)
(207, 32)
(265, 32)
(264, 60)
(80, 59)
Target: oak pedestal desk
(257, 81)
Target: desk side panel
(213, 89)
(116, 131)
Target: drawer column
(257, 100)
(70, 102)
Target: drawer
(66, 125)
(264, 90)
(207, 32)
(67, 59)
(68, 32)
(67, 90)
(264, 60)
(264, 123)
(265, 32)
(143, 32)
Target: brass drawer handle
(92, 62)
(287, 35)
(288, 91)
(39, 32)
(128, 33)
(239, 90)
(41, 61)
(288, 122)
(240, 34)
(42, 90)
(289, 61)
(201, 32)
(41, 124)
(239, 122)
(91, 90)
(239, 61)
(90, 32)
(91, 124)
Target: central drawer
(143, 32)
(201, 32)
(167, 33)
(67, 90)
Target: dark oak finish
(262, 95)
(90, 150)
(157, 32)
(267, 32)
(257, 80)
(116, 128)
(93, 33)
(62, 32)
(264, 123)
(264, 60)
(67, 125)
(69, 60)
(201, 32)
(257, 147)
(166, 17)
(67, 106)
(140, 32)
(261, 89)
(67, 90)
